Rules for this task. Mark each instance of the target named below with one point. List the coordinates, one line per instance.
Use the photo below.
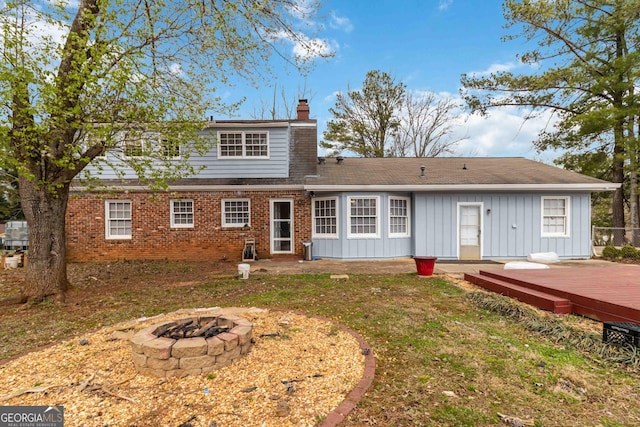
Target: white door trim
(272, 237)
(480, 206)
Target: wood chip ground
(292, 379)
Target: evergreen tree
(584, 69)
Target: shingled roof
(448, 174)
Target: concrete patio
(396, 266)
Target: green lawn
(445, 356)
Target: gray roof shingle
(491, 172)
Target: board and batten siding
(511, 222)
(511, 230)
(276, 166)
(381, 247)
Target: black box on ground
(621, 333)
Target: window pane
(281, 229)
(235, 213)
(282, 245)
(326, 221)
(133, 148)
(170, 148)
(182, 213)
(119, 219)
(363, 216)
(554, 219)
(230, 144)
(398, 216)
(256, 144)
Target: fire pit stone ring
(191, 346)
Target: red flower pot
(425, 264)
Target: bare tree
(426, 127)
(282, 105)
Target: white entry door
(470, 232)
(281, 226)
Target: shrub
(611, 252)
(629, 252)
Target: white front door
(281, 226)
(470, 232)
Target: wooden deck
(607, 294)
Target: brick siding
(153, 237)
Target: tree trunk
(46, 270)
(618, 177)
(633, 204)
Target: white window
(170, 148)
(363, 217)
(92, 140)
(118, 219)
(243, 144)
(229, 144)
(325, 217)
(133, 147)
(555, 216)
(182, 213)
(236, 213)
(399, 217)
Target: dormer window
(133, 147)
(243, 145)
(170, 148)
(150, 144)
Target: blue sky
(426, 44)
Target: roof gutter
(608, 186)
(192, 188)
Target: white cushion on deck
(524, 265)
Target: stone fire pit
(191, 346)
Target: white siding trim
(465, 187)
(197, 188)
(243, 125)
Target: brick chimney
(302, 110)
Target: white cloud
(496, 68)
(340, 23)
(305, 48)
(43, 33)
(312, 48)
(67, 4)
(503, 133)
(507, 66)
(175, 69)
(331, 97)
(444, 4)
(301, 9)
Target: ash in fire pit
(191, 329)
(191, 346)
